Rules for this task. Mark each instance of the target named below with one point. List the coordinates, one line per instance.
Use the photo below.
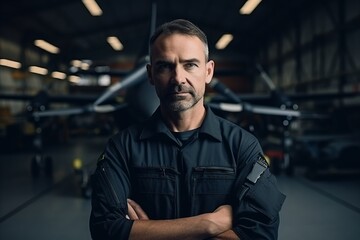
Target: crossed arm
(216, 225)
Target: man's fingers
(131, 213)
(140, 213)
(224, 208)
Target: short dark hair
(181, 26)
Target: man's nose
(178, 75)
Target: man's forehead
(173, 58)
(166, 46)
(162, 60)
(169, 38)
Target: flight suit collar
(156, 126)
(211, 125)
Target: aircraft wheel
(86, 191)
(85, 184)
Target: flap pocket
(211, 187)
(265, 197)
(212, 180)
(155, 190)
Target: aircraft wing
(77, 111)
(322, 96)
(240, 107)
(73, 99)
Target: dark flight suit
(169, 179)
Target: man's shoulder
(228, 124)
(234, 130)
(131, 131)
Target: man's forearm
(197, 227)
(228, 235)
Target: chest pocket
(155, 190)
(211, 187)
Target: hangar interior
(291, 67)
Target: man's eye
(190, 65)
(163, 67)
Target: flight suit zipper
(110, 189)
(219, 170)
(180, 186)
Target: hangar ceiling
(68, 25)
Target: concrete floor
(53, 208)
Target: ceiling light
(46, 46)
(76, 63)
(104, 80)
(224, 41)
(10, 63)
(74, 79)
(115, 43)
(85, 66)
(58, 75)
(249, 6)
(38, 70)
(93, 7)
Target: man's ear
(210, 65)
(149, 74)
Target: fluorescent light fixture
(104, 80)
(249, 6)
(76, 63)
(224, 41)
(115, 43)
(93, 7)
(46, 46)
(10, 63)
(58, 75)
(74, 79)
(85, 66)
(38, 70)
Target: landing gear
(84, 177)
(40, 164)
(86, 189)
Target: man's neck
(184, 120)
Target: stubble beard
(180, 103)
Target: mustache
(179, 88)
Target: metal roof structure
(68, 25)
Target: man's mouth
(179, 93)
(178, 90)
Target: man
(185, 173)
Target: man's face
(179, 71)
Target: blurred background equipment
(72, 73)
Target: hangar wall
(318, 51)
(17, 81)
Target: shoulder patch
(101, 157)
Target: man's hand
(135, 212)
(221, 219)
(222, 216)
